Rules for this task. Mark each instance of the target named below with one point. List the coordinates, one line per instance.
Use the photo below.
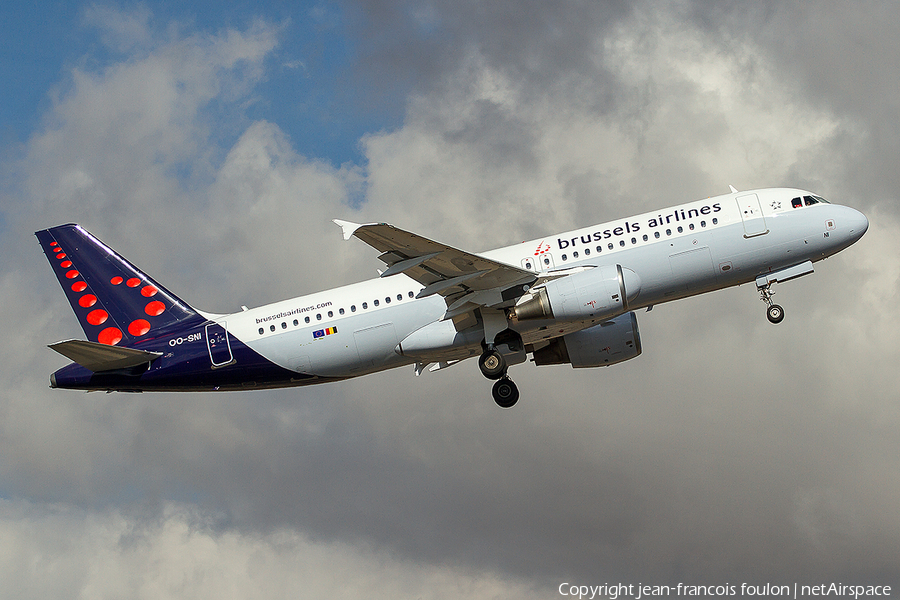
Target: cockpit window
(797, 202)
(810, 200)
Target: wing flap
(101, 357)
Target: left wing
(467, 281)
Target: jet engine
(596, 293)
(608, 343)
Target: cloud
(108, 554)
(730, 449)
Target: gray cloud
(729, 451)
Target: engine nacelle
(608, 343)
(596, 293)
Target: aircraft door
(752, 215)
(219, 345)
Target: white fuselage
(678, 252)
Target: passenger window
(668, 232)
(296, 322)
(365, 305)
(645, 237)
(330, 314)
(565, 257)
(341, 311)
(399, 297)
(411, 295)
(622, 243)
(680, 229)
(352, 308)
(656, 234)
(387, 300)
(715, 220)
(702, 223)
(691, 226)
(261, 331)
(574, 255)
(599, 248)
(271, 328)
(587, 251)
(546, 261)
(375, 303)
(319, 317)
(610, 246)
(284, 324)
(306, 319)
(634, 240)
(796, 203)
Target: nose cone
(851, 225)
(858, 224)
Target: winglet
(347, 227)
(733, 190)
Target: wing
(467, 281)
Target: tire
(775, 314)
(505, 393)
(492, 364)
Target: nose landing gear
(774, 312)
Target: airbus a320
(569, 298)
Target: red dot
(116, 280)
(87, 300)
(61, 255)
(155, 308)
(79, 286)
(133, 282)
(110, 336)
(54, 243)
(72, 274)
(148, 291)
(66, 264)
(97, 316)
(138, 327)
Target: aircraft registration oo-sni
(563, 299)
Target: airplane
(569, 298)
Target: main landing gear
(493, 366)
(774, 312)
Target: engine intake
(608, 343)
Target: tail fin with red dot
(115, 302)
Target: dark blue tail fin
(115, 302)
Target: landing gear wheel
(775, 313)
(492, 364)
(505, 392)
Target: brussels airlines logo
(629, 227)
(542, 248)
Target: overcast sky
(212, 142)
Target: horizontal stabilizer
(101, 357)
